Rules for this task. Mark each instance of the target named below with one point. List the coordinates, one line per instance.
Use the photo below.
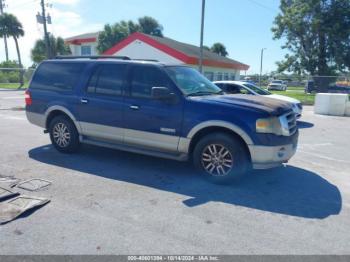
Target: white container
(330, 104)
(347, 109)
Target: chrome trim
(217, 160)
(168, 130)
(288, 123)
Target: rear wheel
(63, 134)
(221, 158)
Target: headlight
(270, 125)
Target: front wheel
(221, 158)
(63, 134)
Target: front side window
(191, 82)
(257, 89)
(143, 79)
(107, 80)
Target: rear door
(101, 103)
(151, 123)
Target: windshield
(276, 81)
(257, 89)
(191, 82)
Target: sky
(243, 26)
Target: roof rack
(93, 57)
(147, 60)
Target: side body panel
(152, 123)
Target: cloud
(66, 21)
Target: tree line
(316, 34)
(107, 38)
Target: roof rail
(93, 57)
(147, 60)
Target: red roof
(84, 38)
(184, 52)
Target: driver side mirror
(164, 94)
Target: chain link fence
(304, 88)
(12, 78)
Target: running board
(133, 149)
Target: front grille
(289, 123)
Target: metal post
(47, 40)
(201, 43)
(261, 64)
(5, 38)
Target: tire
(64, 135)
(211, 165)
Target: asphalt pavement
(105, 201)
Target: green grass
(297, 92)
(12, 85)
(305, 99)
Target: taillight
(28, 98)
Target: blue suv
(168, 111)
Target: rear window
(57, 76)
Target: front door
(151, 123)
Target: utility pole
(2, 5)
(261, 64)
(46, 35)
(201, 43)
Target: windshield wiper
(203, 93)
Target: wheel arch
(59, 110)
(203, 129)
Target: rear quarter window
(57, 76)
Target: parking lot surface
(110, 202)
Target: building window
(219, 76)
(209, 75)
(85, 50)
(232, 76)
(226, 76)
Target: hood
(284, 98)
(263, 103)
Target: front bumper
(264, 157)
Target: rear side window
(143, 79)
(107, 80)
(57, 76)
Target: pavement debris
(10, 180)
(15, 207)
(6, 193)
(34, 184)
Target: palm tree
(11, 27)
(220, 49)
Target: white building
(84, 44)
(163, 49)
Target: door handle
(134, 107)
(84, 101)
